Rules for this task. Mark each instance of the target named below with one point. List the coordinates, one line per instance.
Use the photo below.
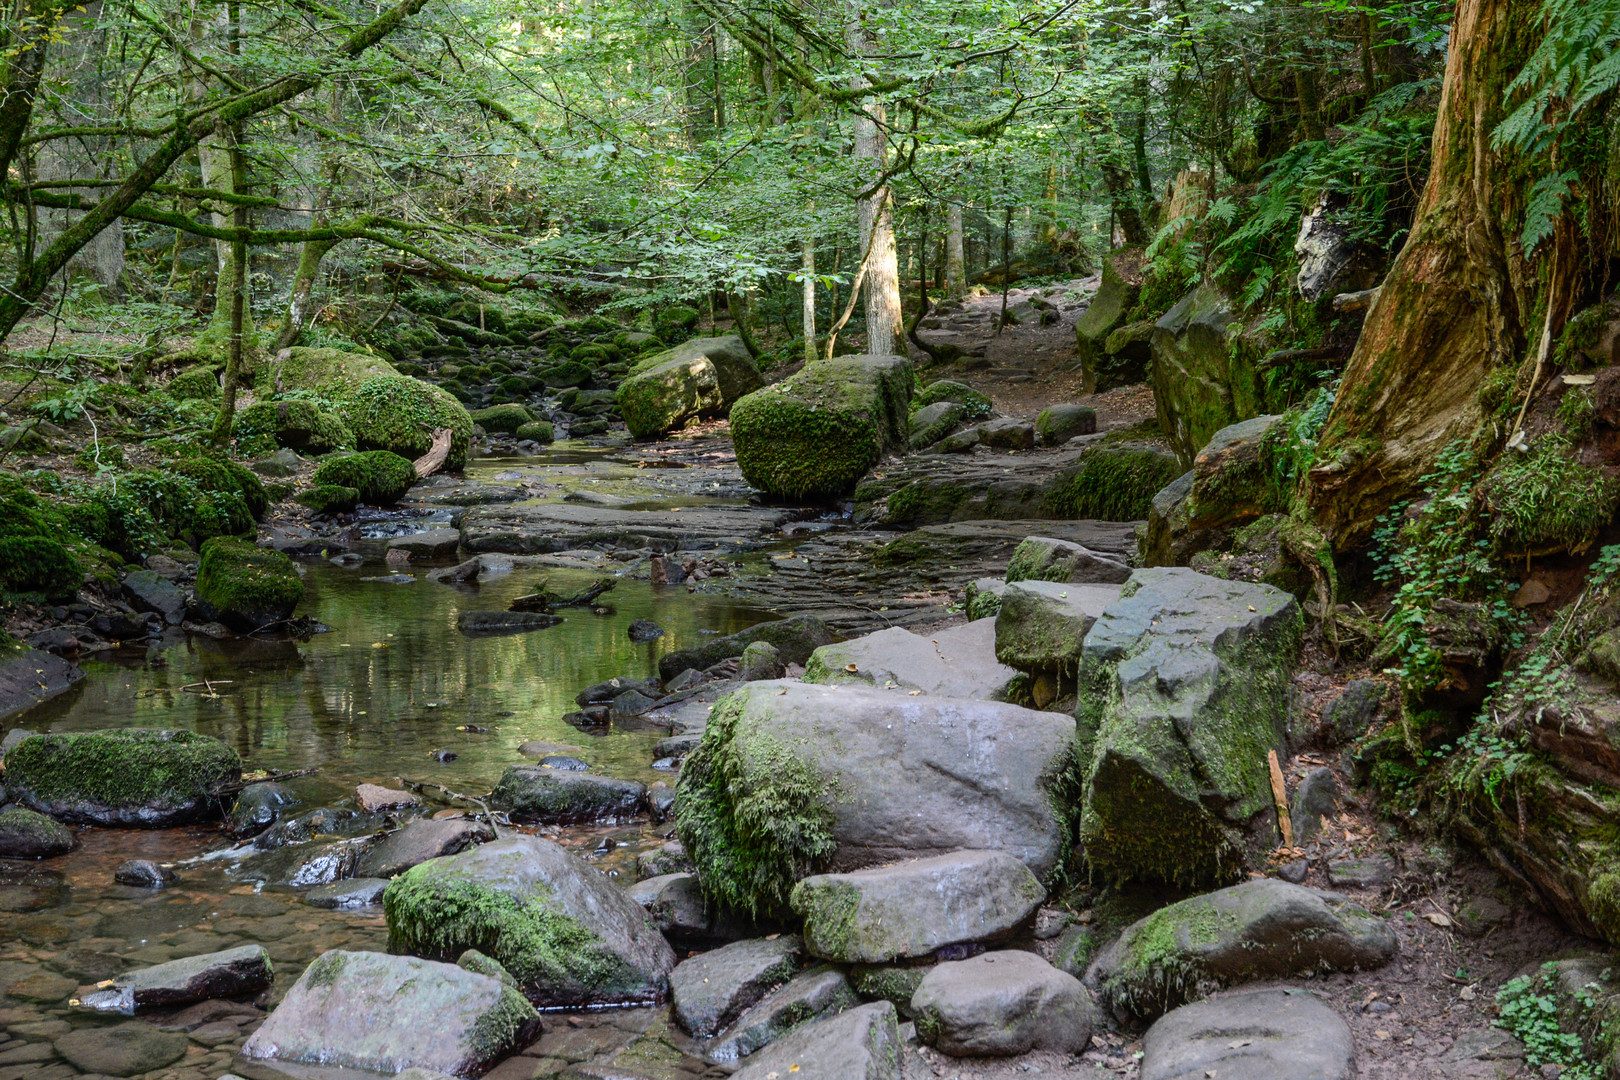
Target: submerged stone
(25, 834)
(237, 972)
(566, 796)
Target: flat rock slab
(552, 527)
(236, 972)
(32, 677)
(1254, 1035)
(858, 1044)
(566, 797)
(124, 1050)
(795, 640)
(373, 797)
(912, 909)
(566, 932)
(959, 662)
(433, 544)
(999, 1004)
(347, 895)
(418, 842)
(1259, 929)
(816, 992)
(712, 989)
(365, 1010)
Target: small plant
(1528, 1010)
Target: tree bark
(1453, 305)
(299, 305)
(883, 326)
(808, 309)
(955, 258)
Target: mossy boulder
(793, 779)
(570, 936)
(295, 424)
(975, 405)
(1106, 313)
(1046, 558)
(39, 564)
(328, 498)
(132, 777)
(933, 422)
(702, 377)
(1127, 356)
(1057, 424)
(815, 435)
(675, 322)
(333, 372)
(1112, 482)
(249, 586)
(1041, 626)
(504, 419)
(399, 414)
(195, 384)
(568, 373)
(222, 476)
(27, 834)
(1183, 691)
(1201, 383)
(1236, 475)
(381, 478)
(537, 430)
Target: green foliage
(1528, 1010)
(1546, 500)
(381, 478)
(976, 406)
(69, 405)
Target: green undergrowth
(1528, 1010)
(1546, 500)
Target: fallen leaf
(1437, 918)
(851, 667)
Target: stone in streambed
(1046, 558)
(419, 841)
(932, 423)
(133, 777)
(1257, 930)
(712, 989)
(912, 909)
(149, 592)
(237, 972)
(1256, 1035)
(257, 807)
(25, 834)
(790, 775)
(566, 797)
(143, 874)
(504, 622)
(347, 895)
(813, 993)
(795, 639)
(959, 662)
(125, 1050)
(1057, 424)
(701, 377)
(365, 1010)
(683, 914)
(859, 1044)
(567, 933)
(668, 858)
(1042, 625)
(1000, 1004)
(249, 586)
(760, 661)
(375, 797)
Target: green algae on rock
(328, 498)
(132, 777)
(251, 587)
(504, 419)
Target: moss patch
(1112, 483)
(975, 405)
(300, 425)
(121, 769)
(399, 414)
(1546, 500)
(381, 478)
(502, 418)
(253, 584)
(328, 498)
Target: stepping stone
(143, 874)
(433, 544)
(566, 797)
(363, 1010)
(1042, 625)
(45, 987)
(712, 989)
(912, 909)
(347, 895)
(125, 1050)
(1047, 558)
(234, 972)
(956, 663)
(1000, 1004)
(374, 797)
(811, 994)
(418, 842)
(1369, 873)
(859, 1044)
(1254, 1035)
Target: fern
(1545, 207)
(1577, 62)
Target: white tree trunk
(955, 257)
(809, 269)
(876, 217)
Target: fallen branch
(545, 601)
(1279, 792)
(236, 786)
(1284, 357)
(432, 461)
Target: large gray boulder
(238, 972)
(859, 1044)
(1260, 929)
(813, 993)
(999, 1004)
(1046, 558)
(1200, 383)
(912, 909)
(793, 779)
(385, 1014)
(129, 777)
(421, 840)
(697, 378)
(959, 662)
(1042, 625)
(566, 797)
(794, 638)
(1183, 688)
(812, 436)
(560, 926)
(1106, 313)
(1256, 1035)
(712, 989)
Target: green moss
(675, 321)
(1546, 500)
(538, 430)
(328, 498)
(399, 414)
(242, 578)
(298, 424)
(1582, 333)
(754, 817)
(38, 564)
(185, 508)
(381, 478)
(325, 969)
(890, 983)
(129, 768)
(1113, 483)
(221, 476)
(502, 418)
(503, 1026)
(439, 918)
(975, 405)
(335, 372)
(568, 373)
(197, 384)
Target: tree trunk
(876, 217)
(237, 284)
(1452, 307)
(955, 258)
(300, 305)
(809, 304)
(1122, 194)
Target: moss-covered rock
(567, 934)
(296, 424)
(975, 405)
(221, 476)
(1126, 358)
(1183, 690)
(675, 322)
(251, 587)
(332, 372)
(25, 834)
(195, 384)
(180, 506)
(933, 422)
(400, 414)
(1112, 482)
(381, 478)
(1106, 313)
(504, 419)
(703, 377)
(1236, 476)
(1548, 500)
(568, 373)
(1057, 424)
(328, 498)
(39, 564)
(815, 435)
(538, 430)
(131, 777)
(1201, 383)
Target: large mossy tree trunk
(1454, 305)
